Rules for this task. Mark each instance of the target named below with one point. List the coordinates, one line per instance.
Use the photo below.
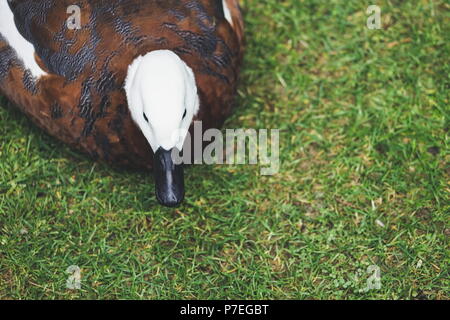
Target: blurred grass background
(364, 178)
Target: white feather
(227, 12)
(23, 48)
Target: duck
(125, 78)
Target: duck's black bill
(169, 179)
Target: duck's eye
(145, 117)
(184, 114)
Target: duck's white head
(162, 98)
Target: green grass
(364, 117)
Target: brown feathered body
(81, 100)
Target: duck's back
(75, 88)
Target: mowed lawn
(363, 183)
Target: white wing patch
(23, 48)
(227, 12)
